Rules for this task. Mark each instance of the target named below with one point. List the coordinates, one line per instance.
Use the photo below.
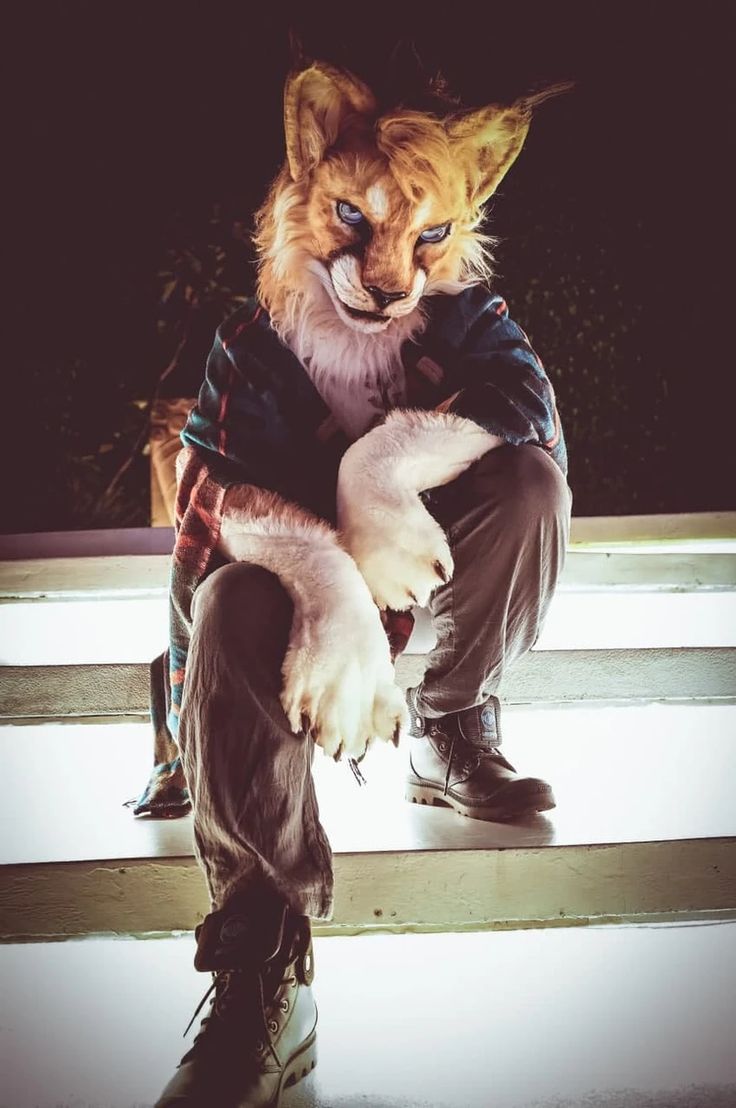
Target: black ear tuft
(538, 95)
(299, 56)
(405, 65)
(410, 83)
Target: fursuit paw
(399, 548)
(339, 680)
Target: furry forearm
(415, 450)
(338, 680)
(300, 549)
(398, 546)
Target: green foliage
(91, 412)
(206, 271)
(92, 418)
(578, 299)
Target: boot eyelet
(284, 1005)
(260, 1047)
(443, 748)
(273, 1026)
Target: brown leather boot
(455, 761)
(259, 1035)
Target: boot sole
(298, 1067)
(538, 800)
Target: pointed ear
(317, 101)
(487, 141)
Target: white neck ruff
(359, 375)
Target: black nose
(383, 298)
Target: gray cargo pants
(255, 810)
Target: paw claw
(441, 572)
(340, 689)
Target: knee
(242, 596)
(526, 483)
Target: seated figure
(373, 433)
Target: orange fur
(426, 171)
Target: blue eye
(348, 214)
(435, 234)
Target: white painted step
(541, 677)
(620, 774)
(635, 1017)
(74, 632)
(666, 567)
(685, 531)
(645, 823)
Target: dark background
(143, 135)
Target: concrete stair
(628, 706)
(595, 1017)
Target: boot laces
(461, 753)
(234, 989)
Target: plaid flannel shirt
(259, 420)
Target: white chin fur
(326, 333)
(367, 326)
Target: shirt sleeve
(503, 384)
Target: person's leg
(507, 520)
(258, 838)
(255, 810)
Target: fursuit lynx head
(372, 212)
